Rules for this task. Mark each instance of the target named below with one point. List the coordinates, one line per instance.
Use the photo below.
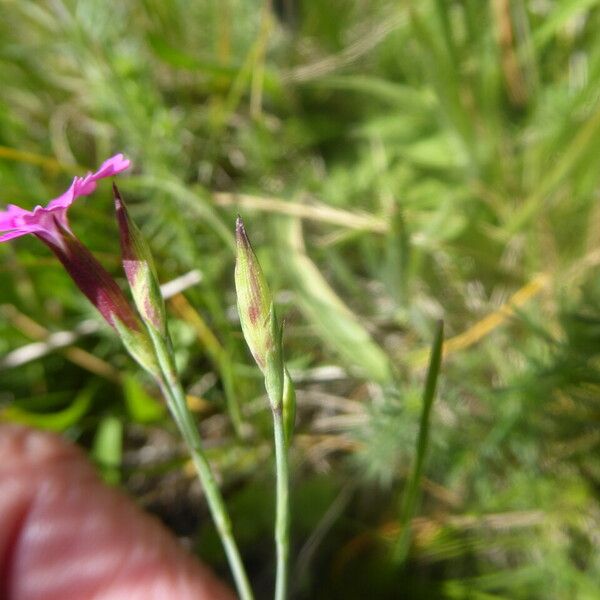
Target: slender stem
(282, 522)
(175, 396)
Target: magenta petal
(5, 220)
(13, 234)
(14, 211)
(84, 187)
(112, 166)
(43, 221)
(7, 217)
(64, 200)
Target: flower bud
(139, 269)
(254, 300)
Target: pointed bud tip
(239, 226)
(117, 196)
(240, 232)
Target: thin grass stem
(411, 496)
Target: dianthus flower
(50, 224)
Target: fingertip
(25, 448)
(65, 535)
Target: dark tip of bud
(117, 196)
(239, 226)
(240, 232)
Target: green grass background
(395, 163)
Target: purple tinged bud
(253, 299)
(262, 331)
(139, 269)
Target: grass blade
(411, 496)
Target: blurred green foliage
(459, 143)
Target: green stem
(175, 396)
(282, 523)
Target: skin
(65, 535)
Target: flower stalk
(139, 268)
(282, 514)
(176, 401)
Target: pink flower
(49, 222)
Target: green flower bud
(254, 300)
(139, 269)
